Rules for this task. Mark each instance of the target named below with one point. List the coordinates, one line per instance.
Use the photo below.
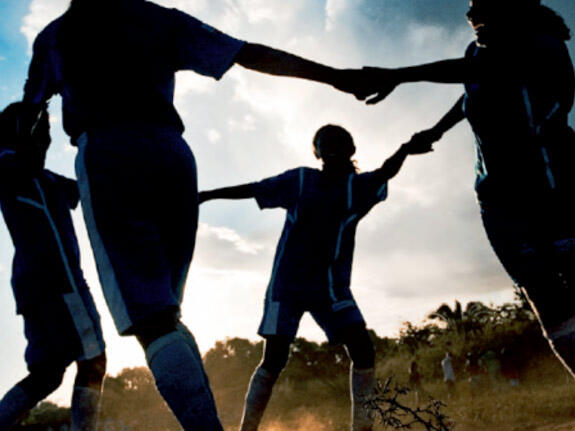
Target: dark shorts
(138, 190)
(63, 331)
(537, 248)
(282, 319)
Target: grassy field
(312, 394)
(544, 401)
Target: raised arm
(272, 61)
(448, 121)
(392, 165)
(244, 191)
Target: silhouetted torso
(37, 214)
(119, 67)
(525, 85)
(314, 256)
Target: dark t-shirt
(124, 71)
(46, 257)
(314, 256)
(518, 111)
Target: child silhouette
(312, 265)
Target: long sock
(257, 398)
(191, 342)
(85, 409)
(180, 379)
(362, 385)
(13, 407)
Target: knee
(91, 372)
(42, 380)
(276, 356)
(364, 357)
(156, 326)
(274, 365)
(360, 348)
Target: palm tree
(475, 315)
(453, 318)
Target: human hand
(430, 136)
(382, 82)
(362, 83)
(422, 142)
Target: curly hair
(550, 22)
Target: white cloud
(229, 236)
(41, 13)
(214, 136)
(334, 8)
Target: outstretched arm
(448, 121)
(244, 191)
(453, 71)
(272, 61)
(392, 165)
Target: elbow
(250, 54)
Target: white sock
(180, 378)
(85, 409)
(257, 398)
(362, 384)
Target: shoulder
(301, 171)
(367, 179)
(159, 11)
(292, 177)
(47, 37)
(305, 173)
(548, 43)
(472, 49)
(308, 171)
(175, 17)
(366, 176)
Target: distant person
(312, 265)
(448, 373)
(519, 89)
(61, 323)
(414, 382)
(114, 64)
(490, 362)
(510, 360)
(474, 372)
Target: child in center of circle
(312, 265)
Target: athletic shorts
(64, 331)
(538, 252)
(282, 318)
(138, 190)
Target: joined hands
(371, 84)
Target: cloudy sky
(422, 247)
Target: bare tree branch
(390, 411)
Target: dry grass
(545, 401)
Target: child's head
(333, 144)
(25, 128)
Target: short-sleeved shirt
(313, 260)
(126, 73)
(518, 110)
(46, 259)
